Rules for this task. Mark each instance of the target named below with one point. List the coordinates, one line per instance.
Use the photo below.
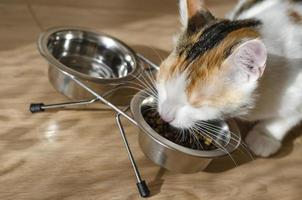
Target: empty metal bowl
(100, 60)
(176, 157)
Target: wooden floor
(77, 154)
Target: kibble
(198, 142)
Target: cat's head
(213, 69)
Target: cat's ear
(193, 14)
(248, 60)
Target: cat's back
(282, 24)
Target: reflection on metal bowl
(100, 60)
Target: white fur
(278, 106)
(178, 110)
(173, 105)
(183, 12)
(281, 36)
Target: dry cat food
(167, 131)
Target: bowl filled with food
(185, 151)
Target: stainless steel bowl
(102, 61)
(176, 157)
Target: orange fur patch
(295, 16)
(209, 64)
(205, 70)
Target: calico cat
(248, 66)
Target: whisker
(192, 132)
(219, 130)
(244, 146)
(151, 77)
(214, 127)
(141, 81)
(246, 151)
(226, 141)
(144, 92)
(158, 55)
(144, 86)
(152, 87)
(148, 89)
(220, 146)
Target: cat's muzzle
(174, 156)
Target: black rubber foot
(143, 189)
(36, 107)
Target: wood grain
(77, 154)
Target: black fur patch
(198, 21)
(214, 34)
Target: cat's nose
(167, 118)
(167, 111)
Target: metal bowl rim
(135, 107)
(42, 47)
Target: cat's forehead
(200, 54)
(196, 42)
(208, 47)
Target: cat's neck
(279, 76)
